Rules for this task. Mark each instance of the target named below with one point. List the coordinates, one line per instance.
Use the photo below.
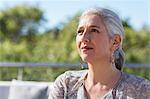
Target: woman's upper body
(96, 48)
(99, 42)
(70, 85)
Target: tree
(136, 46)
(20, 21)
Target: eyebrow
(89, 26)
(94, 26)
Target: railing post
(20, 73)
(0, 74)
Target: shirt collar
(80, 82)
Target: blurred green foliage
(21, 41)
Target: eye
(95, 30)
(79, 32)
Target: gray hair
(114, 26)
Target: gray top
(70, 85)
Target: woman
(99, 42)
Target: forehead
(91, 20)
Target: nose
(85, 37)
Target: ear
(116, 40)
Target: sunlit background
(56, 11)
(44, 31)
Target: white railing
(59, 65)
(21, 65)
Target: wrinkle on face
(100, 40)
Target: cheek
(103, 45)
(78, 43)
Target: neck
(102, 73)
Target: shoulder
(135, 80)
(75, 74)
(70, 76)
(64, 83)
(137, 85)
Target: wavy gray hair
(114, 26)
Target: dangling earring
(112, 59)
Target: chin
(85, 59)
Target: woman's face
(92, 40)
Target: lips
(86, 48)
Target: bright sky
(56, 11)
